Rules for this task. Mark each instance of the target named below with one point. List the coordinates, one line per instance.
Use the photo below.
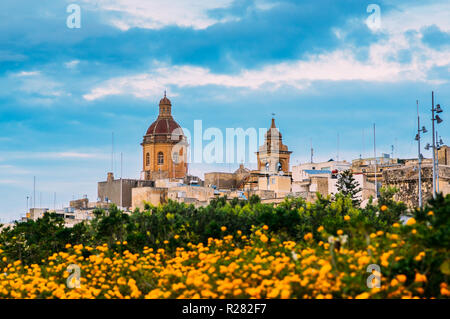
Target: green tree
(348, 186)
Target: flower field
(329, 260)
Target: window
(273, 181)
(147, 159)
(279, 166)
(160, 158)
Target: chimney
(110, 177)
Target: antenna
(312, 151)
(375, 158)
(112, 152)
(34, 191)
(54, 201)
(121, 193)
(363, 144)
(338, 146)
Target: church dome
(163, 126)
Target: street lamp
(438, 147)
(419, 155)
(438, 120)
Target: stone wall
(111, 190)
(221, 180)
(151, 195)
(406, 180)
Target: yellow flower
(340, 232)
(411, 221)
(319, 229)
(396, 225)
(223, 228)
(419, 256)
(394, 282)
(265, 227)
(430, 213)
(263, 238)
(420, 278)
(364, 295)
(383, 208)
(308, 236)
(401, 278)
(346, 217)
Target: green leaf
(445, 267)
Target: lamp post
(439, 143)
(438, 121)
(423, 130)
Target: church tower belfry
(273, 156)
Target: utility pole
(434, 145)
(437, 163)
(419, 155)
(375, 159)
(121, 187)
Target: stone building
(406, 180)
(110, 190)
(164, 147)
(224, 180)
(197, 195)
(443, 155)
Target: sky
(328, 70)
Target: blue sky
(317, 64)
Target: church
(164, 147)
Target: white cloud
(55, 155)
(155, 14)
(27, 73)
(383, 64)
(72, 64)
(409, 17)
(339, 65)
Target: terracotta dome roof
(163, 125)
(165, 101)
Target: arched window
(160, 158)
(279, 166)
(147, 159)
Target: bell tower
(273, 156)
